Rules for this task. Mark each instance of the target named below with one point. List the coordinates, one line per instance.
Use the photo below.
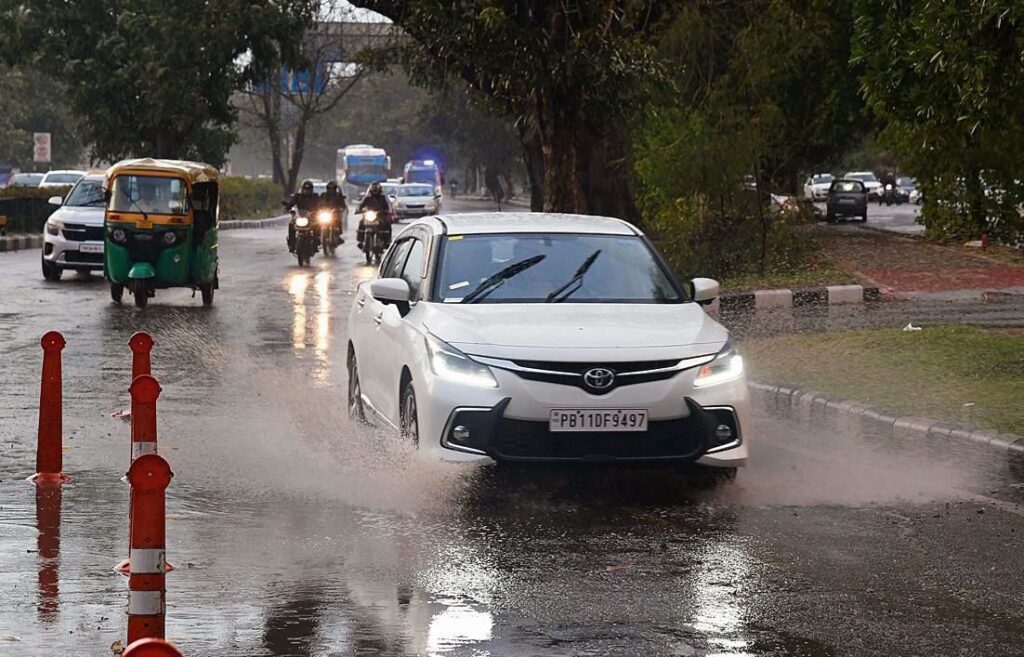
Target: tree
(948, 79)
(566, 74)
(31, 102)
(287, 101)
(148, 77)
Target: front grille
(580, 368)
(83, 233)
(524, 440)
(83, 258)
(571, 374)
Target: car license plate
(91, 248)
(847, 201)
(597, 419)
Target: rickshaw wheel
(141, 293)
(116, 292)
(207, 292)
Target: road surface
(294, 532)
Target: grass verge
(810, 277)
(932, 373)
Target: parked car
(25, 180)
(847, 198)
(906, 187)
(871, 183)
(415, 200)
(61, 178)
(73, 235)
(816, 187)
(544, 338)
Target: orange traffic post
(49, 454)
(149, 476)
(141, 344)
(144, 391)
(151, 648)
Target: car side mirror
(705, 290)
(56, 200)
(392, 291)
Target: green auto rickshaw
(160, 228)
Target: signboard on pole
(41, 146)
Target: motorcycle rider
(375, 200)
(334, 200)
(304, 199)
(888, 187)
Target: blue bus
(361, 164)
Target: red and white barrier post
(149, 476)
(49, 454)
(141, 344)
(151, 648)
(144, 391)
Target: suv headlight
(727, 366)
(449, 363)
(52, 227)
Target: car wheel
(864, 218)
(410, 426)
(51, 272)
(116, 292)
(355, 392)
(830, 218)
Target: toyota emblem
(599, 378)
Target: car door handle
(361, 301)
(378, 318)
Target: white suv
(540, 337)
(73, 235)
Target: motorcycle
(374, 236)
(891, 195)
(307, 242)
(329, 238)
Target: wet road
(296, 533)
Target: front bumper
(510, 423)
(68, 254)
(414, 213)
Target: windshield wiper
(145, 217)
(576, 280)
(491, 283)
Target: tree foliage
(148, 77)
(948, 78)
(32, 102)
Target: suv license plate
(597, 419)
(91, 248)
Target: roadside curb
(20, 242)
(807, 403)
(272, 222)
(827, 295)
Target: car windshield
(26, 179)
(821, 180)
(63, 178)
(389, 190)
(847, 186)
(551, 267)
(149, 194)
(415, 190)
(906, 182)
(87, 194)
(421, 175)
(865, 177)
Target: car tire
(355, 391)
(116, 292)
(51, 272)
(830, 218)
(409, 421)
(864, 218)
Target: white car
(542, 337)
(415, 200)
(871, 183)
(816, 187)
(73, 235)
(63, 178)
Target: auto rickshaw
(160, 228)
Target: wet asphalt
(294, 532)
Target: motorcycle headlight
(449, 363)
(119, 236)
(727, 366)
(324, 216)
(301, 222)
(53, 228)
(371, 216)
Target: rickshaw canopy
(194, 172)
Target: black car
(846, 198)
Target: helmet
(375, 188)
(307, 186)
(332, 186)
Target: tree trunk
(604, 172)
(298, 151)
(533, 160)
(559, 136)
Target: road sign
(41, 148)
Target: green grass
(930, 373)
(811, 277)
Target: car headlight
(727, 366)
(324, 217)
(53, 228)
(449, 363)
(301, 222)
(399, 204)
